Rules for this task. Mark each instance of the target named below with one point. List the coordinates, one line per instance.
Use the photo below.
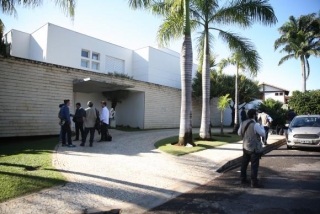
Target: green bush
(308, 101)
(275, 110)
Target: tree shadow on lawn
(32, 147)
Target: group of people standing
(86, 121)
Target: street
(292, 186)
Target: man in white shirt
(251, 131)
(104, 118)
(265, 120)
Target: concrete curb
(237, 161)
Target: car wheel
(289, 147)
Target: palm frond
(285, 58)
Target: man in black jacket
(78, 120)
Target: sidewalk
(127, 173)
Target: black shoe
(82, 144)
(257, 185)
(90, 144)
(71, 145)
(64, 144)
(100, 140)
(76, 139)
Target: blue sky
(114, 22)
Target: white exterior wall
(38, 44)
(140, 68)
(64, 48)
(20, 46)
(164, 68)
(130, 112)
(158, 66)
(272, 94)
(56, 45)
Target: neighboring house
(54, 63)
(274, 92)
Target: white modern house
(53, 63)
(60, 46)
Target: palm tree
(3, 51)
(186, 59)
(300, 38)
(207, 14)
(250, 63)
(222, 105)
(8, 6)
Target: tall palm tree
(3, 47)
(300, 39)
(8, 6)
(180, 7)
(206, 15)
(249, 63)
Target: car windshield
(306, 122)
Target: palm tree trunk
(236, 114)
(221, 122)
(185, 133)
(303, 69)
(205, 116)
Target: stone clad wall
(31, 91)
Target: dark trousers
(86, 132)
(104, 131)
(79, 128)
(266, 129)
(254, 159)
(66, 130)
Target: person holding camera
(251, 132)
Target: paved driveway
(127, 173)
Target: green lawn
(26, 167)
(167, 144)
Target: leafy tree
(222, 105)
(248, 91)
(116, 96)
(250, 63)
(224, 84)
(207, 16)
(3, 47)
(300, 39)
(9, 7)
(302, 102)
(275, 110)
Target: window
(95, 56)
(90, 60)
(114, 65)
(85, 53)
(95, 65)
(277, 94)
(281, 94)
(84, 63)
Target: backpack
(108, 137)
(97, 125)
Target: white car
(304, 131)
